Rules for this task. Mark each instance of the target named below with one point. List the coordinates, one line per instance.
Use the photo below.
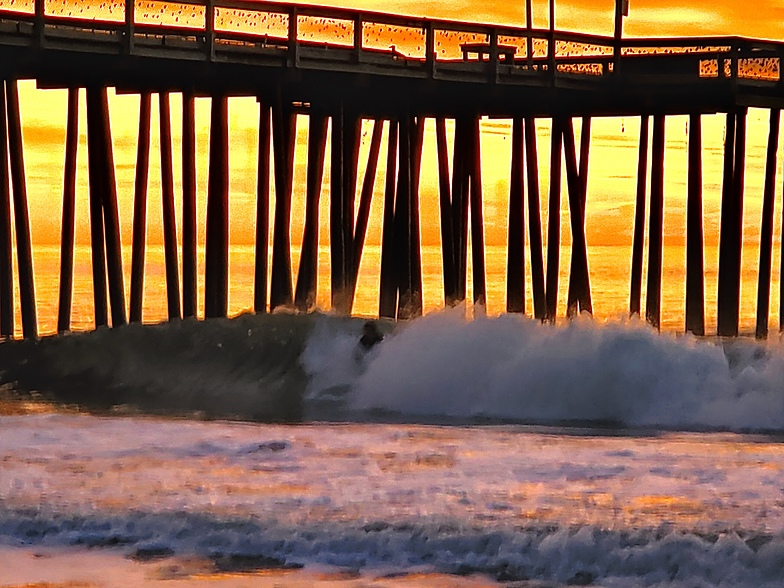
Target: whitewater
(272, 450)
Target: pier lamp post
(621, 10)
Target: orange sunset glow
(612, 174)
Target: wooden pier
(342, 67)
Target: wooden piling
(68, 214)
(534, 220)
(337, 233)
(352, 134)
(695, 257)
(766, 230)
(656, 225)
(403, 220)
(167, 209)
(189, 230)
(6, 264)
(216, 271)
(638, 241)
(262, 210)
(24, 251)
(111, 219)
(477, 219)
(445, 209)
(415, 245)
(515, 261)
(579, 298)
(554, 220)
(365, 200)
(284, 132)
(97, 185)
(388, 281)
(139, 244)
(731, 238)
(460, 201)
(307, 277)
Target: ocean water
(269, 450)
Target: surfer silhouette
(370, 336)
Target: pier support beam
(477, 219)
(731, 238)
(68, 215)
(460, 200)
(695, 257)
(6, 264)
(24, 251)
(284, 133)
(656, 225)
(104, 219)
(307, 277)
(638, 241)
(554, 220)
(403, 220)
(167, 209)
(579, 297)
(766, 231)
(337, 213)
(445, 208)
(388, 281)
(262, 210)
(189, 231)
(515, 260)
(140, 210)
(534, 220)
(216, 278)
(365, 200)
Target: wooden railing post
(129, 22)
(430, 49)
(529, 25)
(209, 28)
(293, 46)
(39, 23)
(357, 37)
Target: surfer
(370, 336)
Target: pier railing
(307, 36)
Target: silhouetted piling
(731, 238)
(515, 261)
(24, 252)
(138, 248)
(535, 220)
(656, 224)
(638, 240)
(68, 214)
(262, 210)
(216, 278)
(695, 264)
(579, 298)
(387, 302)
(307, 276)
(766, 230)
(189, 229)
(6, 264)
(365, 200)
(445, 209)
(477, 219)
(167, 209)
(284, 133)
(554, 220)
(96, 181)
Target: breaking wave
(582, 555)
(441, 368)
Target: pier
(338, 68)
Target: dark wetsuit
(370, 336)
